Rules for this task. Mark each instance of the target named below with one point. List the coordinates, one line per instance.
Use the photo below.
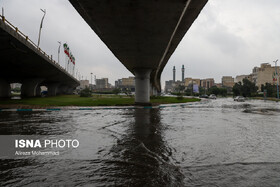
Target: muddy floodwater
(217, 143)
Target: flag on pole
(68, 53)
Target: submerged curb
(100, 108)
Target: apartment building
(264, 74)
(228, 81)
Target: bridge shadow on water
(140, 156)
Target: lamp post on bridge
(58, 51)
(41, 25)
(277, 78)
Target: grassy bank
(96, 100)
(269, 98)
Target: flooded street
(217, 143)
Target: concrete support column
(31, 87)
(154, 91)
(5, 88)
(142, 86)
(69, 91)
(38, 91)
(52, 89)
(62, 90)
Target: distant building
(191, 81)
(264, 74)
(176, 85)
(102, 83)
(239, 78)
(84, 84)
(207, 83)
(118, 83)
(183, 73)
(126, 84)
(219, 85)
(228, 81)
(174, 74)
(168, 86)
(130, 81)
(15, 85)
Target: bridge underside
(23, 63)
(142, 34)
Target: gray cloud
(228, 37)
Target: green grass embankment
(95, 100)
(268, 98)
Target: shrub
(85, 93)
(180, 98)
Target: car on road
(212, 96)
(239, 99)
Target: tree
(180, 88)
(116, 91)
(214, 90)
(85, 92)
(247, 89)
(223, 92)
(271, 90)
(217, 91)
(236, 89)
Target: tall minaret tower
(183, 73)
(174, 74)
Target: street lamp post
(277, 77)
(58, 51)
(91, 81)
(41, 25)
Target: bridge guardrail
(34, 45)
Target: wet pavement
(218, 143)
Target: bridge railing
(34, 45)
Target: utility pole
(277, 78)
(91, 81)
(41, 25)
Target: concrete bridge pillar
(62, 90)
(52, 89)
(154, 91)
(31, 87)
(5, 88)
(142, 86)
(69, 90)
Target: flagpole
(65, 61)
(41, 25)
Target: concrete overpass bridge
(142, 34)
(22, 61)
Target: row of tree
(189, 91)
(269, 89)
(247, 89)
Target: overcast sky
(228, 38)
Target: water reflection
(142, 154)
